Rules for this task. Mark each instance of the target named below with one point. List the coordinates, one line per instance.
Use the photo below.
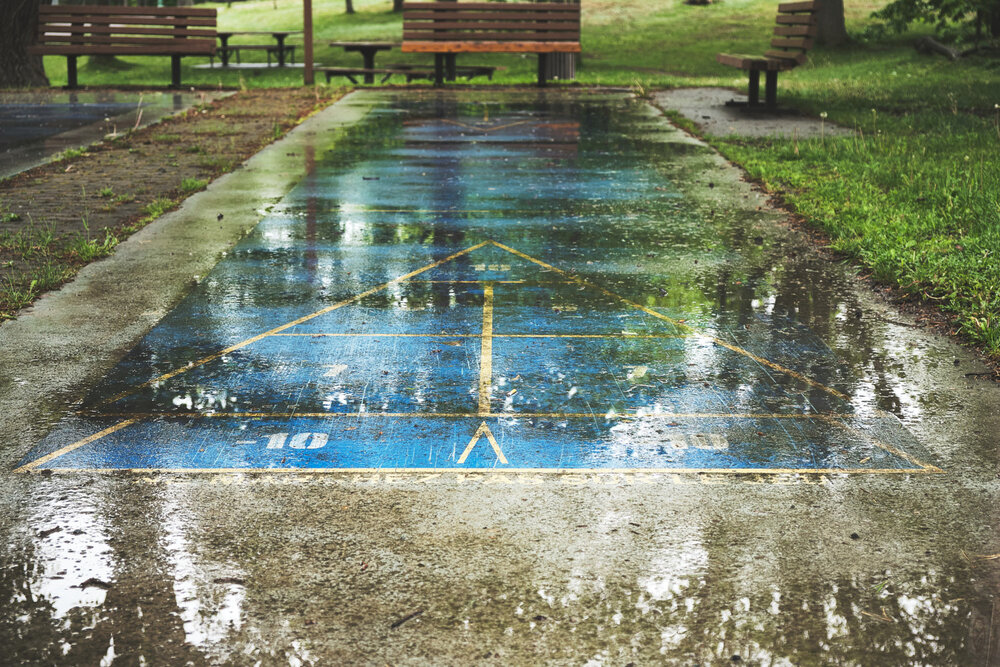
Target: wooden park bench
(793, 38)
(88, 30)
(448, 28)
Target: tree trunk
(830, 28)
(397, 5)
(349, 6)
(18, 25)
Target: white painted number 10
(298, 440)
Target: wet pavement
(37, 125)
(497, 378)
(707, 109)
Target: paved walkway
(496, 378)
(706, 108)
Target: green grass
(191, 185)
(85, 249)
(914, 197)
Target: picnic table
(367, 51)
(279, 47)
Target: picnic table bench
(90, 30)
(448, 28)
(793, 38)
(368, 71)
(279, 49)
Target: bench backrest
(491, 22)
(90, 29)
(794, 34)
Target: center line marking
(486, 352)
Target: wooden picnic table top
(381, 46)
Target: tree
(971, 17)
(18, 25)
(397, 5)
(349, 6)
(830, 28)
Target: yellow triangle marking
(289, 325)
(480, 432)
(679, 325)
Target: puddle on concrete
(522, 275)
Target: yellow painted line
(518, 471)
(480, 432)
(679, 325)
(470, 282)
(485, 130)
(28, 467)
(486, 353)
(378, 335)
(878, 443)
(493, 415)
(306, 318)
(426, 210)
(495, 335)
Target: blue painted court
(502, 285)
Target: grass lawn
(914, 197)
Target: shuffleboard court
(500, 284)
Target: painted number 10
(297, 441)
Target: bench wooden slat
(797, 19)
(797, 57)
(161, 42)
(499, 25)
(130, 20)
(440, 17)
(106, 30)
(796, 7)
(97, 10)
(795, 30)
(492, 6)
(191, 49)
(791, 43)
(490, 47)
(534, 36)
(762, 63)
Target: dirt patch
(56, 218)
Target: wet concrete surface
(706, 108)
(38, 125)
(326, 493)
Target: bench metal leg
(449, 64)
(771, 89)
(439, 69)
(71, 72)
(754, 91)
(543, 69)
(175, 71)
